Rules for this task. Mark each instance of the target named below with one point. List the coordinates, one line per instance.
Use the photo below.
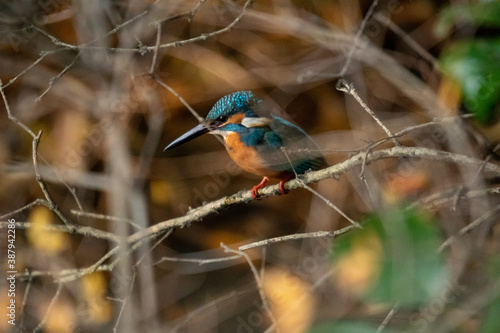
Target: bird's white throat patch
(255, 121)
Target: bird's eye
(220, 120)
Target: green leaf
(481, 14)
(345, 327)
(411, 271)
(491, 320)
(475, 65)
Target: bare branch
(181, 99)
(23, 304)
(258, 280)
(106, 217)
(157, 48)
(190, 14)
(124, 302)
(348, 88)
(310, 189)
(388, 318)
(198, 261)
(9, 112)
(199, 310)
(52, 204)
(357, 37)
(37, 202)
(43, 55)
(317, 234)
(407, 39)
(49, 308)
(331, 172)
(205, 36)
(79, 230)
(53, 80)
(468, 228)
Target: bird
(256, 140)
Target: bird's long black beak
(188, 136)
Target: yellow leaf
(61, 318)
(99, 309)
(402, 186)
(160, 191)
(40, 237)
(356, 270)
(291, 299)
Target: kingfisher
(257, 141)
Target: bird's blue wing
(300, 152)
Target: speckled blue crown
(238, 102)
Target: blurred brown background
(105, 122)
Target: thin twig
(89, 44)
(357, 37)
(189, 14)
(53, 39)
(362, 176)
(158, 242)
(73, 274)
(409, 129)
(198, 311)
(388, 318)
(49, 308)
(144, 49)
(37, 202)
(329, 203)
(157, 48)
(310, 189)
(384, 19)
(308, 235)
(79, 230)
(149, 147)
(200, 262)
(205, 36)
(53, 206)
(25, 299)
(446, 197)
(471, 226)
(119, 27)
(72, 190)
(258, 281)
(344, 86)
(43, 54)
(9, 112)
(53, 80)
(124, 302)
(106, 217)
(181, 99)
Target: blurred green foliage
(411, 271)
(345, 327)
(491, 320)
(474, 63)
(483, 13)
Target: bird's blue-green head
(232, 112)
(238, 103)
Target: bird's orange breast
(248, 158)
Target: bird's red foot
(260, 185)
(282, 187)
